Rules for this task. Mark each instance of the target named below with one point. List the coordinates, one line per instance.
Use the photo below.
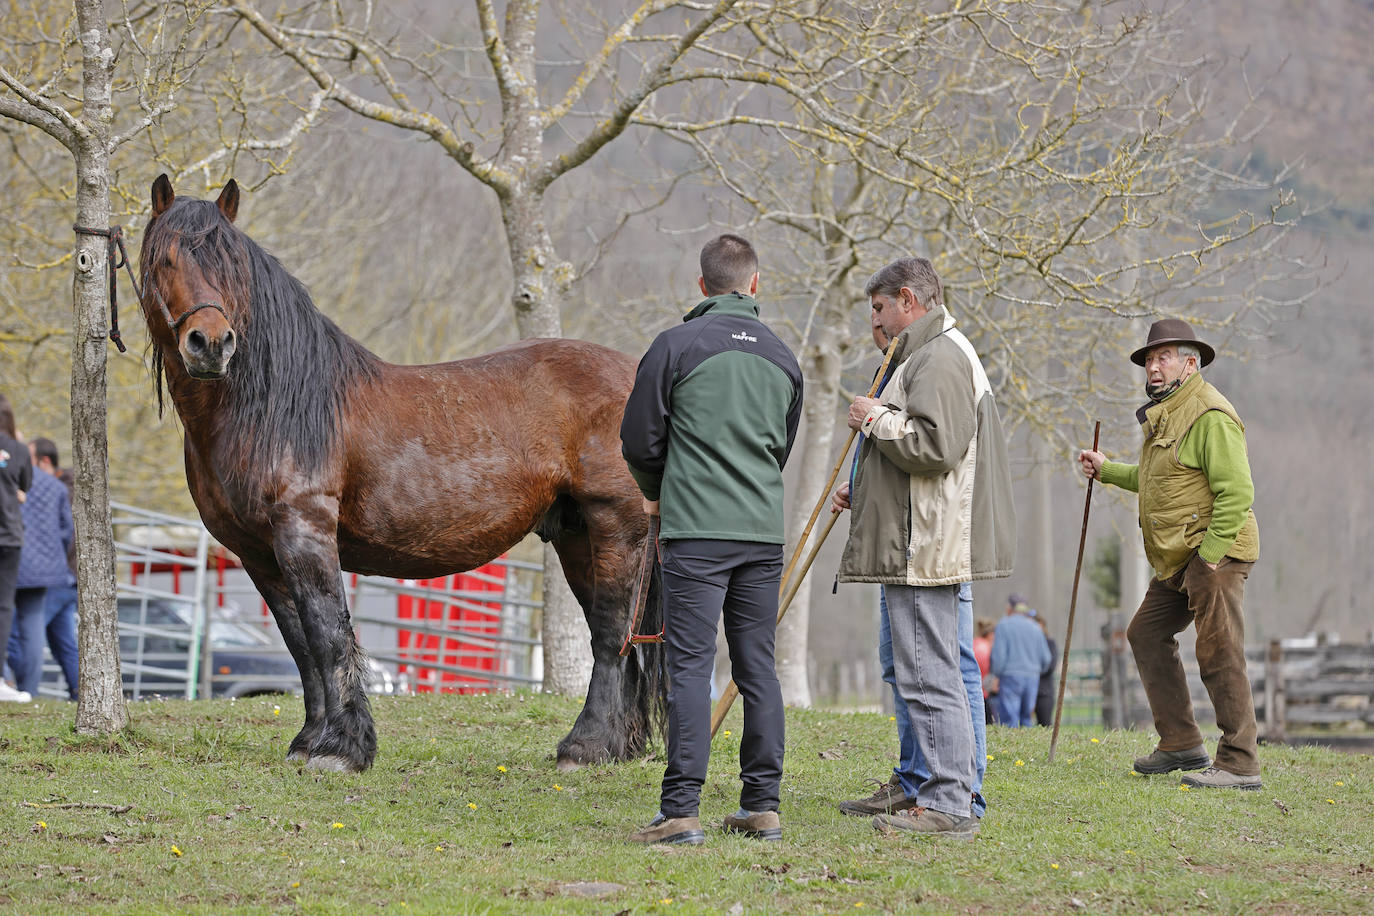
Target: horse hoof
(567, 765)
(297, 757)
(332, 764)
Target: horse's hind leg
(307, 553)
(600, 563)
(273, 589)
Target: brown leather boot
(888, 798)
(761, 825)
(674, 830)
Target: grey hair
(1186, 350)
(916, 274)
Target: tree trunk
(821, 368)
(541, 282)
(101, 708)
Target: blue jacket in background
(1019, 648)
(48, 533)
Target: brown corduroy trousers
(1212, 601)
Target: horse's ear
(163, 195)
(228, 202)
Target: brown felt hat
(1172, 331)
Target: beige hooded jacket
(931, 502)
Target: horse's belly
(422, 552)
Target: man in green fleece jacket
(707, 429)
(1195, 493)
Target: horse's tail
(646, 673)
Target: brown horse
(305, 453)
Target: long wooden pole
(1073, 604)
(835, 472)
(727, 697)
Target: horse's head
(194, 277)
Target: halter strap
(118, 257)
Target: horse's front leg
(307, 552)
(270, 584)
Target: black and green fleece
(710, 423)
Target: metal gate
(191, 624)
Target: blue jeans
(912, 769)
(25, 647)
(59, 616)
(1016, 699)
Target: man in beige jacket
(932, 508)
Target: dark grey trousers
(703, 580)
(9, 575)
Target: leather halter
(174, 325)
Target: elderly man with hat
(1195, 493)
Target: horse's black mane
(292, 368)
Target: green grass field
(194, 810)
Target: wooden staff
(1073, 604)
(727, 698)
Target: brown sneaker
(1213, 778)
(761, 825)
(685, 830)
(1159, 762)
(888, 798)
(924, 820)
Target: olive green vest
(1176, 501)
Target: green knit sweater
(1216, 446)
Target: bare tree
(62, 83)
(420, 83)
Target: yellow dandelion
(1020, 763)
(666, 900)
(890, 719)
(557, 787)
(336, 826)
(500, 769)
(1339, 783)
(991, 758)
(1184, 788)
(41, 825)
(1054, 865)
(727, 733)
(1330, 801)
(295, 884)
(176, 852)
(1095, 741)
(438, 848)
(858, 904)
(472, 805)
(276, 710)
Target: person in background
(982, 652)
(59, 607)
(16, 476)
(1044, 694)
(48, 537)
(1019, 654)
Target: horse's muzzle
(207, 356)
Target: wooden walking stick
(844, 453)
(727, 698)
(1073, 605)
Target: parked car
(245, 659)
